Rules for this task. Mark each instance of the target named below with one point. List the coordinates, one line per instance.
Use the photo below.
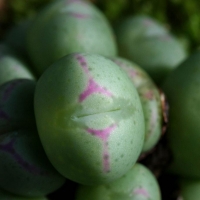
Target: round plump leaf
(11, 66)
(24, 168)
(182, 90)
(137, 184)
(190, 189)
(89, 118)
(65, 27)
(150, 45)
(150, 99)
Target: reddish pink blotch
(103, 134)
(79, 15)
(149, 95)
(92, 86)
(141, 191)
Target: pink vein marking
(10, 88)
(147, 22)
(79, 15)
(152, 122)
(83, 63)
(92, 86)
(9, 148)
(130, 71)
(73, 1)
(149, 95)
(141, 191)
(165, 38)
(104, 135)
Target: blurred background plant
(180, 16)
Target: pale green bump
(150, 99)
(182, 91)
(11, 66)
(189, 189)
(137, 184)
(89, 121)
(64, 27)
(24, 167)
(149, 44)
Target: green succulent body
(182, 90)
(190, 189)
(150, 99)
(89, 118)
(24, 167)
(65, 27)
(11, 66)
(138, 27)
(150, 46)
(137, 184)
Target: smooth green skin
(182, 91)
(150, 99)
(158, 56)
(56, 32)
(137, 27)
(24, 167)
(190, 189)
(137, 184)
(157, 53)
(16, 105)
(4, 195)
(11, 66)
(63, 120)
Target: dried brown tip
(158, 158)
(165, 111)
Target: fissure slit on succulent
(92, 114)
(94, 87)
(103, 135)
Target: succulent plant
(137, 27)
(89, 117)
(65, 27)
(12, 66)
(150, 99)
(182, 90)
(24, 167)
(150, 46)
(137, 184)
(189, 189)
